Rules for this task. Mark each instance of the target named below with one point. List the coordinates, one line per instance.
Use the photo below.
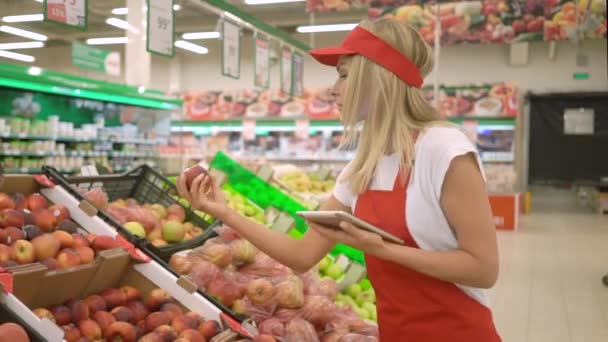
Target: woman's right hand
(204, 194)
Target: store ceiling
(190, 18)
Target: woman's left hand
(350, 235)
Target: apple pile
(31, 231)
(158, 224)
(283, 304)
(122, 314)
(360, 297)
(13, 332)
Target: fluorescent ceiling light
(17, 56)
(201, 35)
(120, 11)
(122, 24)
(326, 28)
(107, 41)
(23, 33)
(191, 47)
(34, 71)
(23, 18)
(177, 7)
(268, 2)
(22, 45)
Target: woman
(414, 176)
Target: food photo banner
(486, 100)
(488, 21)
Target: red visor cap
(362, 42)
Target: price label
(262, 63)
(67, 12)
(286, 71)
(248, 130)
(161, 27)
(231, 50)
(302, 129)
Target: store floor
(550, 286)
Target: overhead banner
(298, 74)
(286, 70)
(102, 60)
(161, 28)
(67, 12)
(231, 49)
(261, 77)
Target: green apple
(354, 290)
(370, 307)
(248, 210)
(365, 284)
(173, 231)
(334, 271)
(350, 301)
(362, 313)
(340, 297)
(260, 217)
(136, 229)
(366, 297)
(324, 264)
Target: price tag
(302, 129)
(161, 27)
(231, 50)
(248, 130)
(67, 12)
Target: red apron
(412, 306)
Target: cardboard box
(35, 286)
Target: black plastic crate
(145, 185)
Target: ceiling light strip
(17, 56)
(23, 33)
(21, 45)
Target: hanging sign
(67, 12)
(298, 74)
(102, 60)
(302, 129)
(262, 63)
(231, 50)
(161, 28)
(248, 130)
(286, 71)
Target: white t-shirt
(435, 148)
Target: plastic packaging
(265, 267)
(272, 326)
(299, 330)
(97, 197)
(227, 234)
(203, 272)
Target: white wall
(459, 65)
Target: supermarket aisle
(550, 282)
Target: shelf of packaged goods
(13, 153)
(34, 171)
(278, 124)
(81, 140)
(42, 154)
(497, 157)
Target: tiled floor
(550, 288)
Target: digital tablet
(333, 218)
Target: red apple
(66, 239)
(35, 202)
(5, 253)
(172, 309)
(80, 240)
(90, 329)
(80, 311)
(192, 172)
(180, 263)
(96, 303)
(101, 243)
(120, 332)
(176, 211)
(67, 258)
(50, 263)
(209, 329)
(23, 252)
(104, 319)
(184, 322)
(45, 219)
(62, 314)
(131, 293)
(86, 254)
(139, 310)
(19, 200)
(11, 218)
(114, 297)
(44, 313)
(60, 212)
(152, 337)
(46, 246)
(156, 298)
(13, 332)
(192, 335)
(167, 332)
(71, 333)
(6, 202)
(156, 319)
(12, 234)
(123, 314)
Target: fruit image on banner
(562, 23)
(216, 105)
(488, 100)
(338, 5)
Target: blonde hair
(395, 110)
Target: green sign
(66, 12)
(102, 60)
(581, 76)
